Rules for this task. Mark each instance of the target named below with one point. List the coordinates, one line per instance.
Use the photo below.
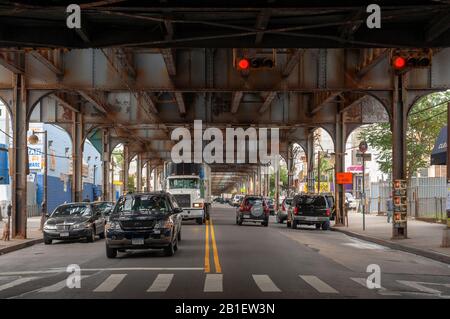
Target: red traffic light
(244, 64)
(399, 62)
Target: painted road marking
(110, 283)
(58, 286)
(207, 265)
(215, 253)
(265, 284)
(17, 282)
(161, 283)
(360, 244)
(319, 285)
(213, 283)
(381, 290)
(420, 286)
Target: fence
(426, 197)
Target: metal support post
(77, 157)
(105, 166)
(125, 168)
(310, 162)
(139, 173)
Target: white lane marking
(319, 285)
(381, 290)
(32, 272)
(110, 283)
(265, 284)
(420, 286)
(17, 282)
(213, 283)
(161, 283)
(138, 268)
(58, 286)
(360, 244)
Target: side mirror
(177, 210)
(47, 215)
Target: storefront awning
(439, 153)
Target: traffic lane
(49, 262)
(252, 249)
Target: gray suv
(253, 209)
(311, 209)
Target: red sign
(344, 178)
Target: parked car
(236, 201)
(74, 221)
(144, 221)
(253, 209)
(311, 209)
(283, 210)
(350, 200)
(105, 208)
(271, 204)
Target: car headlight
(114, 226)
(197, 205)
(81, 225)
(49, 227)
(164, 223)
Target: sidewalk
(423, 238)
(34, 236)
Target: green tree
(283, 180)
(425, 120)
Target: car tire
(91, 237)
(199, 221)
(102, 235)
(265, 223)
(47, 241)
(294, 224)
(111, 252)
(240, 222)
(325, 225)
(318, 226)
(179, 236)
(288, 224)
(169, 250)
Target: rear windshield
(318, 201)
(253, 200)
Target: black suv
(253, 209)
(143, 221)
(311, 209)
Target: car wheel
(265, 223)
(317, 226)
(294, 224)
(240, 222)
(179, 235)
(47, 241)
(91, 237)
(199, 221)
(102, 235)
(288, 224)
(111, 252)
(325, 225)
(169, 250)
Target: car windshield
(142, 205)
(72, 211)
(103, 206)
(183, 183)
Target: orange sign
(344, 178)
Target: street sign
(365, 156)
(344, 178)
(363, 147)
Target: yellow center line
(207, 266)
(216, 255)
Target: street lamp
(34, 139)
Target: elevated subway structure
(135, 90)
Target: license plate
(312, 218)
(137, 241)
(65, 234)
(157, 231)
(245, 216)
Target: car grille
(137, 224)
(183, 200)
(62, 227)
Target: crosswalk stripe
(161, 283)
(319, 285)
(110, 283)
(213, 283)
(17, 282)
(419, 286)
(58, 286)
(265, 284)
(381, 290)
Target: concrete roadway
(248, 261)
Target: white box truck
(190, 184)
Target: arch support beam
(19, 161)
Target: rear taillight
(295, 210)
(328, 212)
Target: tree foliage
(425, 121)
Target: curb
(417, 251)
(25, 244)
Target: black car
(74, 221)
(105, 207)
(143, 221)
(253, 209)
(271, 205)
(311, 209)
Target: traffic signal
(405, 59)
(245, 60)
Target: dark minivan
(144, 221)
(311, 209)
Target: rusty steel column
(148, 171)
(277, 184)
(19, 159)
(77, 157)
(398, 127)
(339, 166)
(310, 162)
(125, 167)
(139, 173)
(260, 187)
(290, 168)
(105, 167)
